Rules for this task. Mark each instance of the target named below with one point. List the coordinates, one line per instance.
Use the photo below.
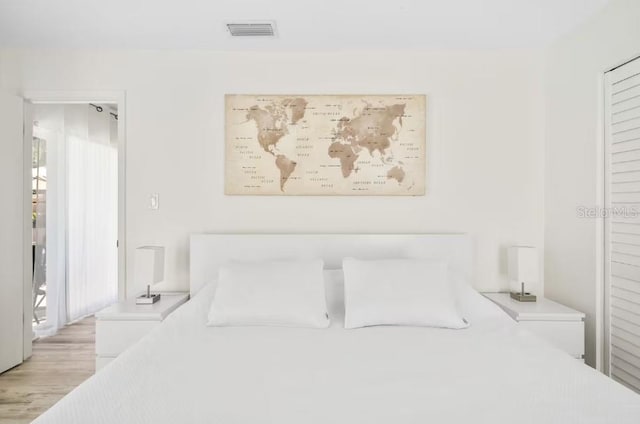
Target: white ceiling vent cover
(252, 29)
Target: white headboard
(209, 251)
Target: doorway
(28, 279)
(74, 181)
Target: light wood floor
(59, 364)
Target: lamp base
(149, 299)
(523, 297)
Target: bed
(492, 372)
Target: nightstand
(559, 324)
(124, 323)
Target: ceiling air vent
(252, 29)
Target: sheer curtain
(82, 204)
(92, 211)
(50, 127)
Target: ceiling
(301, 24)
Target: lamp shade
(523, 268)
(149, 265)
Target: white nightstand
(561, 325)
(124, 323)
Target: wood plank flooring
(58, 365)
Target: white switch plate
(154, 201)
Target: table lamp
(149, 269)
(523, 272)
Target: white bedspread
(492, 372)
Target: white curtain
(92, 211)
(82, 211)
(50, 127)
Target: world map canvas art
(325, 145)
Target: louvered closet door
(622, 225)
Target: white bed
(492, 372)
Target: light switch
(154, 201)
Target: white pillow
(279, 293)
(399, 292)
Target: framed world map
(325, 145)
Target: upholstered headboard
(209, 251)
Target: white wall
(485, 140)
(575, 66)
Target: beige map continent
(325, 145)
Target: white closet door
(622, 224)
(11, 232)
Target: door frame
(117, 97)
(602, 229)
